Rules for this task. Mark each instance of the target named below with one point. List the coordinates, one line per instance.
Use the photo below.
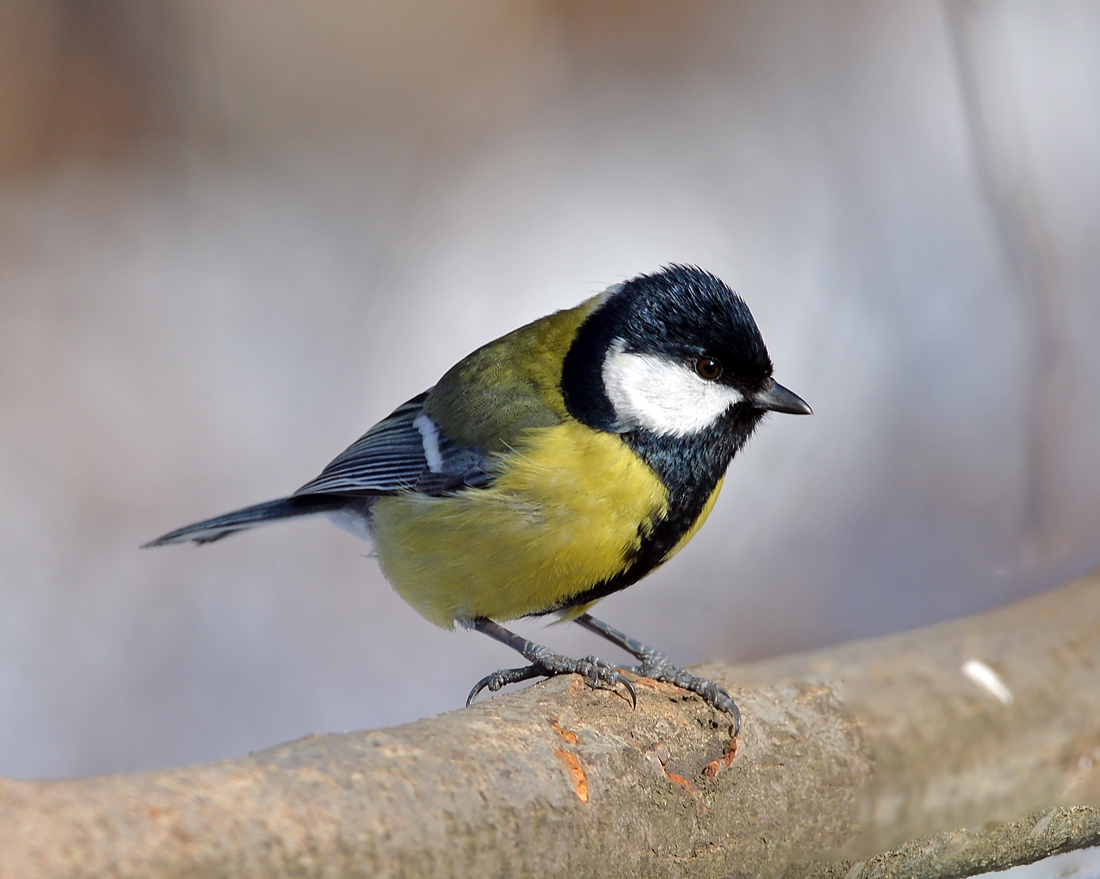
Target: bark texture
(957, 853)
(843, 753)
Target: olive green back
(509, 385)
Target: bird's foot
(599, 675)
(656, 666)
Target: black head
(675, 354)
(672, 362)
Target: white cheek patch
(662, 395)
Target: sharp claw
(478, 687)
(723, 701)
(629, 688)
(736, 712)
(718, 697)
(503, 677)
(486, 681)
(595, 672)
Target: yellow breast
(567, 508)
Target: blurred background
(234, 234)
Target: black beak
(776, 398)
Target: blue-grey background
(235, 233)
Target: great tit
(554, 466)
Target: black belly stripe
(690, 468)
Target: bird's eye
(708, 368)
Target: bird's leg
(656, 665)
(544, 663)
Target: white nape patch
(660, 394)
(430, 434)
(982, 675)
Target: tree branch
(957, 853)
(843, 753)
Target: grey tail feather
(259, 514)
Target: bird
(552, 467)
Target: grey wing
(404, 452)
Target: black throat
(690, 468)
(680, 313)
